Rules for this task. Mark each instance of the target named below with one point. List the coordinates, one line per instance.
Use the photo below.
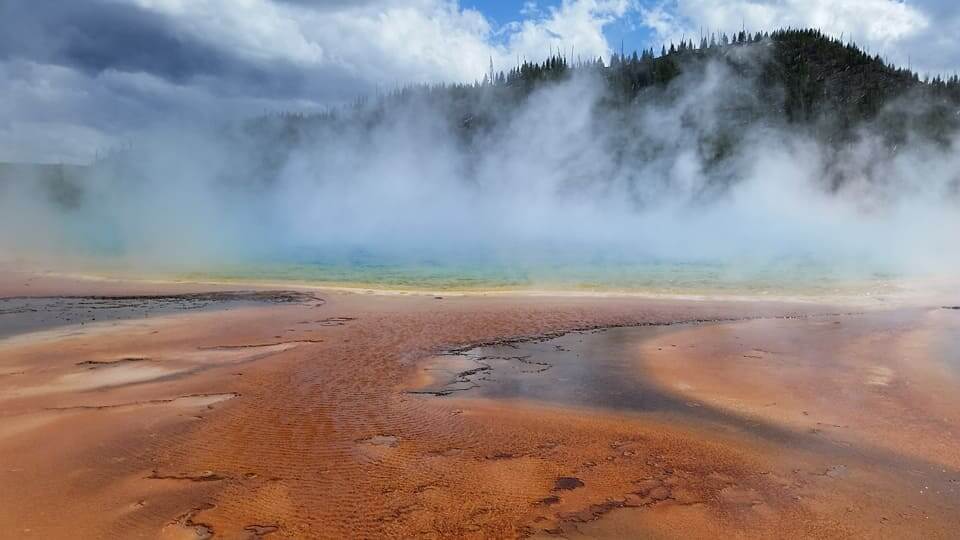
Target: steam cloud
(559, 178)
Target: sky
(81, 77)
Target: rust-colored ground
(294, 420)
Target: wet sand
(854, 416)
(349, 415)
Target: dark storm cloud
(93, 36)
(81, 76)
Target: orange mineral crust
(190, 411)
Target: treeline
(810, 66)
(711, 96)
(798, 77)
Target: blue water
(784, 277)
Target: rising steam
(560, 177)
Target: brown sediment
(205, 476)
(184, 527)
(187, 401)
(883, 381)
(892, 474)
(94, 364)
(257, 345)
(320, 436)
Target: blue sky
(501, 12)
(628, 29)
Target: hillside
(787, 77)
(639, 115)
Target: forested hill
(791, 77)
(791, 131)
(709, 107)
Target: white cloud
(264, 55)
(876, 21)
(392, 41)
(267, 55)
(575, 25)
(899, 30)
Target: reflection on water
(557, 370)
(766, 377)
(22, 315)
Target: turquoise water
(784, 278)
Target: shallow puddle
(30, 314)
(597, 368)
(882, 383)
